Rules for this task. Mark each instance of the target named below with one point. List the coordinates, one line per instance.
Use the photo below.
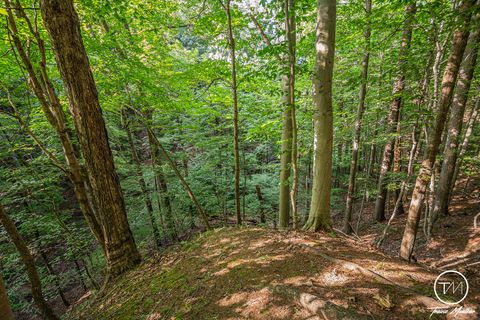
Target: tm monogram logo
(451, 287)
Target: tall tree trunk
(319, 216)
(62, 24)
(466, 140)
(449, 78)
(43, 89)
(347, 227)
(290, 29)
(5, 310)
(27, 258)
(459, 102)
(141, 180)
(285, 158)
(393, 117)
(236, 150)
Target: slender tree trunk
(5, 310)
(54, 275)
(164, 202)
(290, 29)
(244, 186)
(285, 161)
(465, 76)
(439, 51)
(62, 24)
(397, 156)
(319, 216)
(261, 203)
(236, 150)
(449, 78)
(186, 186)
(80, 275)
(141, 180)
(27, 258)
(51, 270)
(89, 273)
(393, 117)
(466, 140)
(347, 227)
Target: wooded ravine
(247, 159)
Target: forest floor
(259, 273)
(455, 243)
(256, 273)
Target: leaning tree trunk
(449, 78)
(62, 24)
(465, 76)
(347, 227)
(319, 216)
(236, 152)
(27, 258)
(393, 117)
(5, 310)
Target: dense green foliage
(170, 59)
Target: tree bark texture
(319, 216)
(62, 24)
(455, 124)
(53, 111)
(448, 82)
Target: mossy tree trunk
(466, 140)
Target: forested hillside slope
(252, 273)
(228, 159)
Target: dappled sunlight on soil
(254, 273)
